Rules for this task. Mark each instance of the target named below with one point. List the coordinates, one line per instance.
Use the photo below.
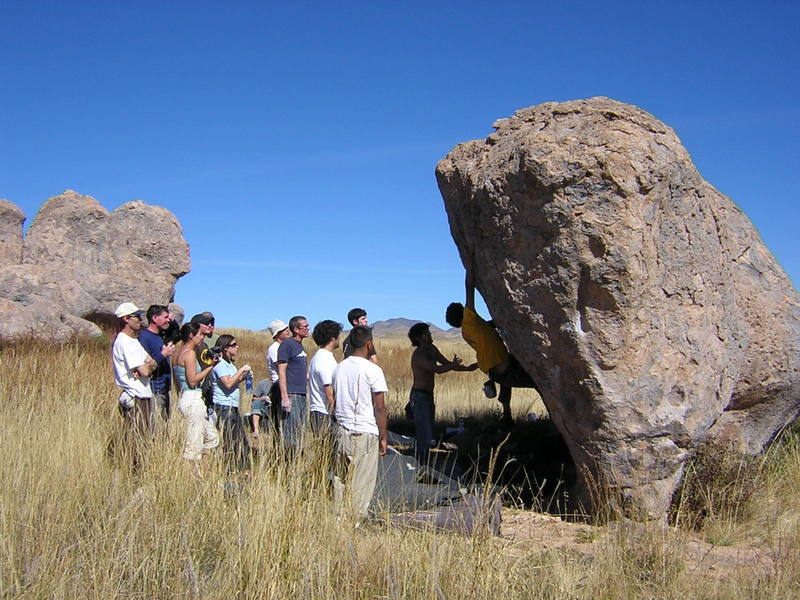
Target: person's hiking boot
(490, 389)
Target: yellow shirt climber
(489, 348)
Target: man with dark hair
(158, 320)
(426, 363)
(132, 369)
(292, 359)
(490, 350)
(361, 436)
(357, 317)
(320, 375)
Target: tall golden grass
(77, 522)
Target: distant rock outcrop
(641, 300)
(78, 262)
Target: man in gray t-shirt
(292, 363)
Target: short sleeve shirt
(354, 382)
(272, 360)
(294, 355)
(320, 374)
(489, 348)
(222, 395)
(127, 354)
(160, 378)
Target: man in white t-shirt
(359, 387)
(132, 369)
(320, 375)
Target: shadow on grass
(533, 465)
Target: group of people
(343, 402)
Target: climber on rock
(490, 350)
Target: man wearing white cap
(279, 331)
(132, 368)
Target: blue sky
(297, 143)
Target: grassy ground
(77, 522)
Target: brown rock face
(11, 220)
(640, 299)
(78, 260)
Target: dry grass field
(77, 522)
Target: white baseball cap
(127, 309)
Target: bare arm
(379, 406)
(231, 381)
(447, 365)
(148, 367)
(469, 283)
(286, 404)
(189, 362)
(331, 402)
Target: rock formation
(78, 262)
(641, 300)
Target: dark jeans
(235, 445)
(424, 409)
(293, 423)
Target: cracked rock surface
(641, 300)
(78, 260)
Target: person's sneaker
(489, 389)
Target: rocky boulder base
(641, 300)
(78, 262)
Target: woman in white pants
(201, 434)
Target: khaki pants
(200, 432)
(355, 471)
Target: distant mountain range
(400, 327)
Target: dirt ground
(529, 530)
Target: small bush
(718, 483)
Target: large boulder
(79, 261)
(640, 299)
(11, 220)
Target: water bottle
(248, 382)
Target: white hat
(127, 309)
(277, 326)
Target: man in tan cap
(132, 369)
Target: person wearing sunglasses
(132, 370)
(225, 394)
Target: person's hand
(286, 405)
(456, 360)
(167, 349)
(246, 368)
(383, 446)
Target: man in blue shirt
(292, 360)
(158, 319)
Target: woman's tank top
(180, 376)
